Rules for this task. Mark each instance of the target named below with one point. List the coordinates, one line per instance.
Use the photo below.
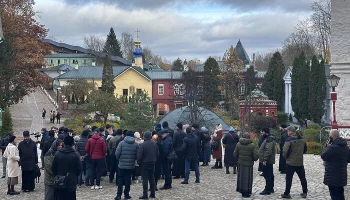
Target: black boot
(216, 165)
(234, 170)
(220, 164)
(13, 192)
(9, 189)
(227, 170)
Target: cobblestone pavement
(215, 185)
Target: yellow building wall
(132, 78)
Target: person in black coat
(179, 163)
(48, 143)
(29, 159)
(67, 163)
(262, 138)
(167, 148)
(230, 141)
(191, 148)
(282, 161)
(146, 158)
(166, 127)
(336, 157)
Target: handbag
(37, 173)
(215, 145)
(60, 182)
(172, 156)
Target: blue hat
(232, 129)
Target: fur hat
(69, 140)
(130, 133)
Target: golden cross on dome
(137, 34)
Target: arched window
(176, 89)
(182, 89)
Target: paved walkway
(215, 185)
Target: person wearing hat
(126, 153)
(265, 131)
(84, 158)
(205, 145)
(29, 159)
(165, 125)
(179, 163)
(112, 146)
(267, 156)
(12, 155)
(230, 141)
(44, 138)
(66, 162)
(217, 153)
(3, 144)
(294, 150)
(48, 143)
(97, 150)
(167, 148)
(282, 161)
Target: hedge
(314, 148)
(310, 135)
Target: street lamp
(333, 81)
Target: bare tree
(321, 19)
(94, 43)
(301, 40)
(127, 45)
(262, 61)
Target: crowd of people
(70, 161)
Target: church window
(176, 89)
(182, 89)
(160, 89)
(241, 89)
(132, 89)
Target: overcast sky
(178, 28)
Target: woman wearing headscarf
(230, 141)
(12, 155)
(49, 176)
(246, 153)
(217, 153)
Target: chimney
(253, 60)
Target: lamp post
(333, 81)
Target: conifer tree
(273, 84)
(7, 126)
(211, 93)
(112, 46)
(107, 77)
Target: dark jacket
(28, 155)
(178, 140)
(148, 151)
(170, 131)
(267, 151)
(205, 138)
(284, 136)
(336, 157)
(230, 141)
(47, 145)
(167, 146)
(293, 150)
(100, 149)
(44, 138)
(126, 153)
(262, 138)
(246, 152)
(80, 146)
(191, 147)
(112, 144)
(3, 144)
(67, 162)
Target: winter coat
(112, 144)
(44, 138)
(178, 140)
(100, 149)
(28, 155)
(170, 131)
(262, 138)
(126, 153)
(293, 150)
(48, 158)
(191, 147)
(148, 151)
(205, 138)
(217, 154)
(67, 162)
(246, 152)
(230, 141)
(167, 146)
(12, 155)
(3, 144)
(267, 151)
(47, 145)
(336, 157)
(284, 136)
(80, 146)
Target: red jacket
(100, 149)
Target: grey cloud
(167, 33)
(242, 5)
